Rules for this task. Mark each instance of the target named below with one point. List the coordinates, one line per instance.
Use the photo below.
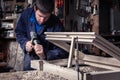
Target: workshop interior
(91, 37)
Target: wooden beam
(81, 40)
(103, 62)
(107, 47)
(71, 52)
(70, 33)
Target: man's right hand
(29, 46)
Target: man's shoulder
(27, 11)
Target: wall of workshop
(73, 20)
(77, 14)
(115, 18)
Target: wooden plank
(109, 44)
(105, 75)
(85, 41)
(71, 52)
(100, 65)
(69, 36)
(103, 62)
(70, 33)
(107, 47)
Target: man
(39, 19)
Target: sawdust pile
(30, 75)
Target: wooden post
(71, 52)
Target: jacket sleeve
(21, 33)
(56, 52)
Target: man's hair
(45, 6)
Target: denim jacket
(25, 26)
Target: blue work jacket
(25, 26)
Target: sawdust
(30, 75)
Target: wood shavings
(30, 75)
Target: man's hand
(39, 50)
(29, 46)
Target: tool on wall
(95, 10)
(59, 3)
(77, 4)
(3, 7)
(83, 7)
(1, 13)
(59, 6)
(18, 8)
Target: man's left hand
(39, 50)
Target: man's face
(41, 17)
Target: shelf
(8, 38)
(12, 12)
(8, 19)
(8, 0)
(3, 64)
